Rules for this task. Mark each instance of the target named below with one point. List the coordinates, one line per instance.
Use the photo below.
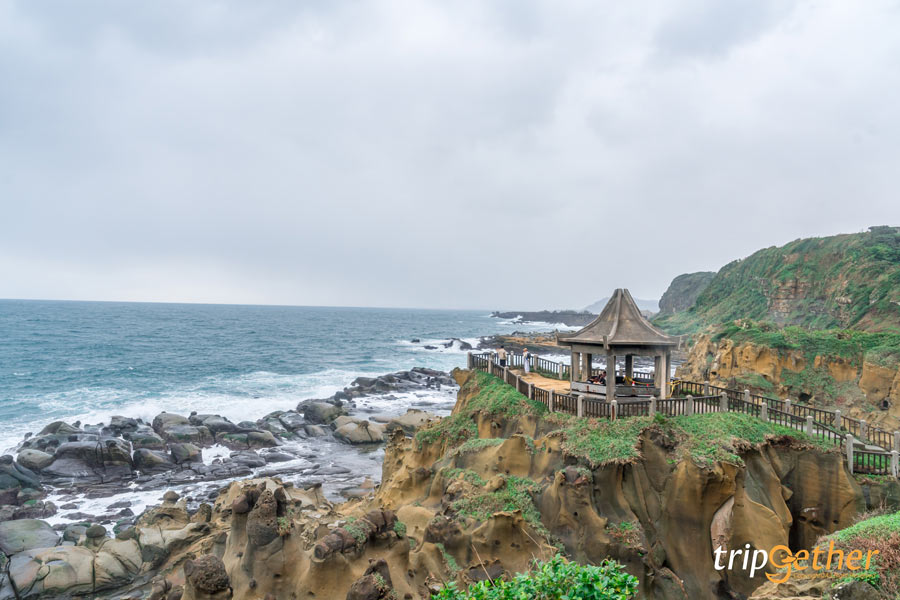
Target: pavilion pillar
(588, 364)
(629, 366)
(664, 376)
(656, 370)
(610, 376)
(575, 367)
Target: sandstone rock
(145, 437)
(292, 420)
(262, 524)
(26, 534)
(53, 572)
(375, 584)
(206, 579)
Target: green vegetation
(704, 438)
(515, 495)
(840, 281)
(451, 563)
(476, 444)
(400, 529)
(879, 533)
(489, 395)
(467, 474)
(556, 579)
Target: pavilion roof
(620, 323)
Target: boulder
(314, 430)
(185, 453)
(205, 578)
(145, 437)
(409, 422)
(59, 428)
(320, 412)
(53, 572)
(34, 460)
(375, 584)
(119, 425)
(26, 534)
(362, 432)
(291, 420)
(106, 459)
(152, 461)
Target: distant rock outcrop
(683, 292)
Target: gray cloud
(511, 154)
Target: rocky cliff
(818, 368)
(476, 495)
(683, 292)
(846, 281)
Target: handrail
(815, 422)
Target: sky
(512, 154)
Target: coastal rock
(185, 453)
(53, 572)
(375, 584)
(362, 432)
(34, 460)
(292, 421)
(26, 534)
(214, 423)
(152, 461)
(105, 460)
(410, 422)
(176, 428)
(317, 412)
(206, 579)
(145, 437)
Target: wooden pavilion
(619, 330)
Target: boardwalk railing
(868, 450)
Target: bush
(556, 579)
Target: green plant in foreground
(556, 579)
(400, 528)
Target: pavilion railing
(869, 450)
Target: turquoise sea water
(90, 360)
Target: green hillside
(843, 281)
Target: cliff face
(683, 292)
(840, 281)
(855, 383)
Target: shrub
(556, 579)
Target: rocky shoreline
(67, 467)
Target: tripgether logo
(819, 562)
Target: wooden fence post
(689, 405)
(895, 463)
(787, 406)
(764, 411)
(580, 411)
(613, 408)
(723, 402)
(551, 401)
(897, 440)
(863, 429)
(809, 425)
(837, 419)
(470, 362)
(561, 367)
(652, 409)
(531, 391)
(849, 442)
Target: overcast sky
(464, 154)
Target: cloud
(509, 154)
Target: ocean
(87, 361)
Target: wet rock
(318, 412)
(119, 425)
(176, 428)
(34, 460)
(292, 421)
(262, 525)
(214, 423)
(248, 458)
(26, 534)
(145, 437)
(152, 461)
(185, 453)
(53, 572)
(314, 431)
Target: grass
(515, 495)
(704, 438)
(881, 533)
(466, 474)
(489, 395)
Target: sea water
(87, 361)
